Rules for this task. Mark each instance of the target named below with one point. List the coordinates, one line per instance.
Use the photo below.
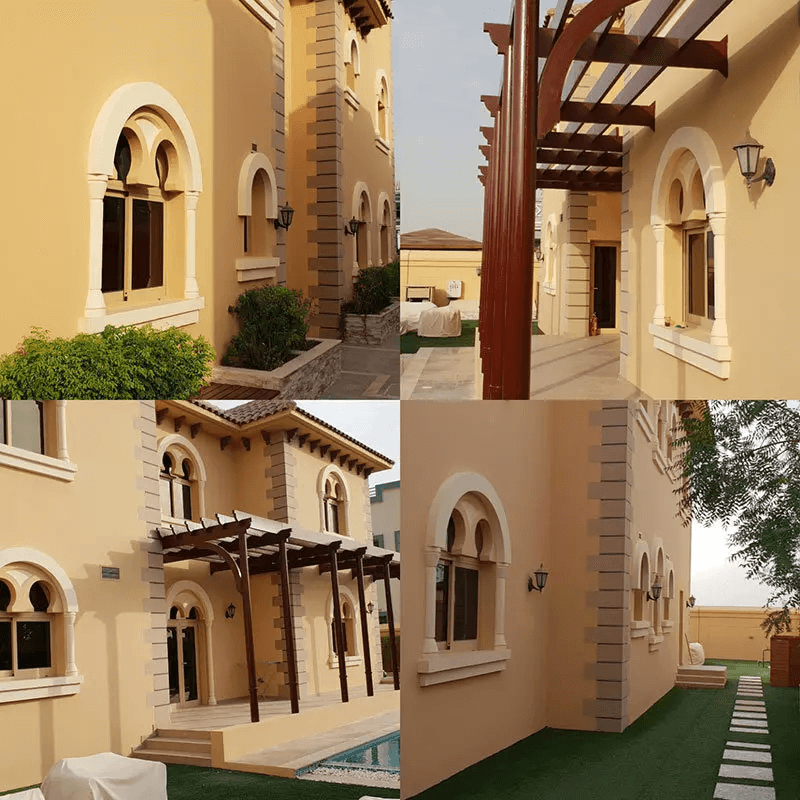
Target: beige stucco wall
(385, 509)
(759, 94)
(95, 520)
(731, 633)
(437, 267)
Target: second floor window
(22, 425)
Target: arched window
(348, 629)
(37, 616)
(258, 209)
(385, 233)
(362, 211)
(334, 503)
(179, 486)
(352, 62)
(468, 557)
(383, 109)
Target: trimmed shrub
(273, 321)
(116, 364)
(393, 278)
(371, 291)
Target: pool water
(382, 755)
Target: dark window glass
(166, 463)
(193, 614)
(187, 468)
(442, 600)
(397, 541)
(162, 165)
(122, 158)
(343, 629)
(465, 607)
(377, 540)
(186, 491)
(26, 425)
(113, 279)
(189, 666)
(3, 432)
(39, 597)
(451, 534)
(5, 596)
(172, 662)
(710, 267)
(246, 242)
(33, 645)
(333, 516)
(173, 612)
(5, 646)
(147, 254)
(697, 276)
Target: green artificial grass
(410, 342)
(672, 752)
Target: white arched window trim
(709, 353)
(174, 441)
(383, 143)
(352, 55)
(116, 111)
(549, 250)
(437, 666)
(332, 469)
(67, 605)
(384, 212)
(361, 189)
(333, 659)
(204, 601)
(252, 268)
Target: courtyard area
(688, 746)
(562, 367)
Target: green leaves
(742, 465)
(116, 364)
(273, 321)
(373, 289)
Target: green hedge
(373, 289)
(116, 364)
(273, 321)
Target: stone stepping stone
(741, 771)
(733, 791)
(755, 708)
(754, 745)
(759, 703)
(748, 714)
(736, 729)
(749, 723)
(735, 754)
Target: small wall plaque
(109, 573)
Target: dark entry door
(605, 286)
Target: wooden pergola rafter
(247, 546)
(544, 135)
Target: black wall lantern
(352, 227)
(655, 589)
(748, 153)
(691, 602)
(285, 214)
(230, 611)
(538, 579)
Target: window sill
(639, 628)
(666, 627)
(256, 268)
(13, 691)
(349, 661)
(174, 314)
(444, 667)
(351, 98)
(549, 288)
(655, 642)
(692, 346)
(27, 461)
(383, 145)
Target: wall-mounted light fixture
(284, 219)
(748, 153)
(537, 253)
(230, 611)
(538, 579)
(352, 227)
(655, 589)
(690, 603)
(370, 607)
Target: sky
(442, 63)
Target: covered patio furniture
(106, 776)
(440, 322)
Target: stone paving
(370, 372)
(747, 761)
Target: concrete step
(182, 733)
(171, 757)
(202, 746)
(701, 677)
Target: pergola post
(337, 621)
(244, 588)
(362, 602)
(288, 625)
(390, 619)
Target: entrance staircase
(172, 746)
(701, 677)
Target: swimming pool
(380, 755)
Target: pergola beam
(499, 34)
(575, 157)
(581, 186)
(610, 114)
(582, 141)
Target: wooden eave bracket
(499, 34)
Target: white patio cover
(409, 314)
(106, 776)
(28, 794)
(440, 322)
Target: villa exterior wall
(759, 94)
(437, 267)
(732, 633)
(96, 519)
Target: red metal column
(516, 376)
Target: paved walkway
(562, 368)
(368, 371)
(750, 760)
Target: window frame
(6, 437)
(454, 563)
(689, 230)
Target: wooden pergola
(542, 69)
(249, 545)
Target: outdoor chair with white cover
(409, 314)
(28, 794)
(106, 776)
(439, 322)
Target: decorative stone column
(431, 560)
(659, 232)
(719, 328)
(69, 642)
(191, 289)
(95, 303)
(500, 608)
(212, 697)
(61, 430)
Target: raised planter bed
(306, 376)
(372, 328)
